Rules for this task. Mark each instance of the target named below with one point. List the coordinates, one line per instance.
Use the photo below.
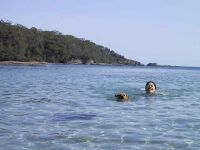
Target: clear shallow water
(73, 107)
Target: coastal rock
(90, 62)
(152, 64)
(75, 61)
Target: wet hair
(150, 82)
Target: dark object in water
(152, 64)
(122, 96)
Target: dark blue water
(59, 107)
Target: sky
(166, 32)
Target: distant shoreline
(26, 63)
(32, 63)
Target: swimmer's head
(150, 87)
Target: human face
(150, 88)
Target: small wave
(162, 93)
(39, 100)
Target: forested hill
(18, 43)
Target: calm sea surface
(61, 107)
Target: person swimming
(150, 87)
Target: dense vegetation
(18, 43)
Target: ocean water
(61, 107)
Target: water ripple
(73, 107)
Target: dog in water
(122, 97)
(150, 87)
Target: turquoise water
(59, 107)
